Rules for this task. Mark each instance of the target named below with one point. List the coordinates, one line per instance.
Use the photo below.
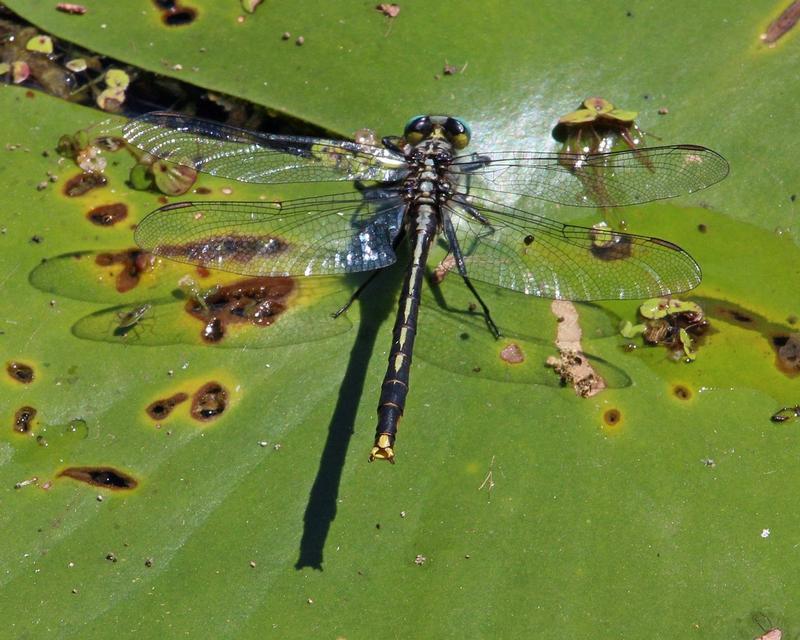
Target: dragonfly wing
(611, 179)
(311, 236)
(538, 256)
(250, 156)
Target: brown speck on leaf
(390, 10)
(512, 354)
(71, 8)
(20, 372)
(782, 24)
(83, 183)
(663, 111)
(23, 419)
(111, 557)
(420, 560)
(106, 477)
(789, 353)
(209, 402)
(300, 41)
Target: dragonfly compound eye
(457, 132)
(418, 129)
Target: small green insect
(127, 320)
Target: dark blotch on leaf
(107, 215)
(107, 477)
(681, 392)
(612, 417)
(83, 183)
(255, 301)
(173, 14)
(788, 352)
(609, 246)
(134, 262)
(23, 418)
(209, 402)
(20, 372)
(160, 409)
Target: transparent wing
(602, 179)
(538, 256)
(250, 156)
(310, 236)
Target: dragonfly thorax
(429, 178)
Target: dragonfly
(417, 188)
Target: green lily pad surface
(155, 483)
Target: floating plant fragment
(670, 322)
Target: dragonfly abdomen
(395, 384)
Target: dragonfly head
(454, 130)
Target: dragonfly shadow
(321, 509)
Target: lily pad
(516, 507)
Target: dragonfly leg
(486, 314)
(357, 293)
(395, 243)
(462, 271)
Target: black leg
(487, 316)
(395, 243)
(357, 293)
(450, 232)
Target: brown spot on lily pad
(134, 262)
(209, 402)
(107, 215)
(175, 15)
(612, 417)
(160, 409)
(788, 353)
(23, 419)
(782, 24)
(107, 477)
(20, 372)
(83, 183)
(254, 301)
(512, 354)
(608, 245)
(682, 392)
